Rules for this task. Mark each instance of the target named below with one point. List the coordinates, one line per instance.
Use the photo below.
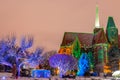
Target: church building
(104, 45)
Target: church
(104, 46)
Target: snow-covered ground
(7, 76)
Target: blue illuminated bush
(83, 64)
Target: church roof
(99, 36)
(110, 22)
(84, 38)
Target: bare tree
(26, 43)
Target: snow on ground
(7, 76)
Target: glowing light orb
(3, 78)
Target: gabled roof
(99, 36)
(84, 38)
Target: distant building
(103, 45)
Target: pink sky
(47, 20)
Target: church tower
(112, 32)
(100, 46)
(112, 36)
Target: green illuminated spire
(97, 24)
(110, 22)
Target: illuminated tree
(76, 48)
(46, 56)
(7, 46)
(83, 65)
(35, 58)
(63, 62)
(91, 60)
(10, 53)
(24, 45)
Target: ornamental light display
(11, 54)
(63, 62)
(83, 64)
(76, 52)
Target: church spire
(111, 22)
(97, 24)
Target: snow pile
(116, 73)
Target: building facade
(104, 46)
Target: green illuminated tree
(91, 59)
(76, 52)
